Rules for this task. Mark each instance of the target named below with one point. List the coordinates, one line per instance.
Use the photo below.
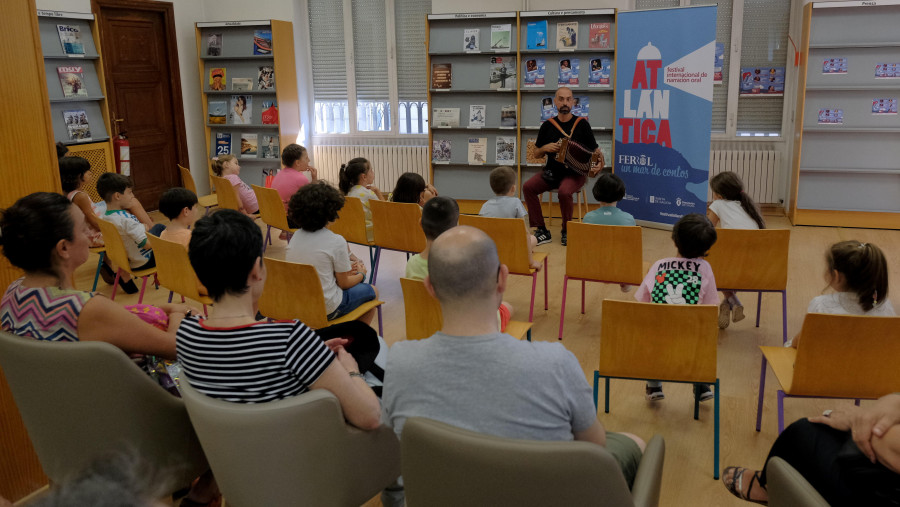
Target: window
(369, 53)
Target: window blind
(764, 44)
(326, 39)
(655, 4)
(409, 25)
(370, 52)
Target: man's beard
(565, 110)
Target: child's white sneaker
(737, 313)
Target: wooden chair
(293, 291)
(115, 249)
(174, 271)
(602, 253)
(579, 198)
(671, 343)
(446, 465)
(838, 356)
(396, 226)
(511, 238)
(187, 181)
(227, 194)
(271, 211)
(351, 224)
(753, 261)
(424, 316)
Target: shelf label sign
(665, 73)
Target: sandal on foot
(724, 314)
(735, 487)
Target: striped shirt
(254, 363)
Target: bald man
(556, 176)
(472, 376)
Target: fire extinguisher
(122, 152)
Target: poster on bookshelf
(217, 79)
(470, 40)
(270, 112)
(506, 150)
(477, 150)
(249, 146)
(223, 143)
(441, 74)
(445, 117)
(581, 106)
(536, 35)
(508, 116)
(548, 108)
(598, 37)
(270, 147)
(502, 73)
(77, 126)
(266, 77)
(214, 44)
(831, 117)
(262, 42)
(241, 109)
(440, 151)
(834, 66)
(217, 112)
(568, 72)
(241, 84)
(887, 70)
(501, 37)
(535, 73)
(70, 38)
(531, 157)
(476, 116)
(72, 80)
(567, 36)
(884, 106)
(599, 75)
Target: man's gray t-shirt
(491, 384)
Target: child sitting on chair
(179, 205)
(312, 208)
(357, 179)
(505, 204)
(609, 189)
(227, 166)
(684, 280)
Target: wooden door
(140, 56)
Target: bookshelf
(271, 78)
(845, 167)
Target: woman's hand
(864, 423)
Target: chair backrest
(446, 465)
(293, 291)
(173, 268)
(82, 400)
(510, 236)
(271, 207)
(187, 180)
(397, 225)
(847, 356)
(751, 259)
(351, 222)
(609, 253)
(228, 196)
(787, 488)
(657, 341)
(296, 451)
(423, 312)
(115, 247)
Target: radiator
(756, 168)
(389, 162)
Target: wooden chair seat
(351, 224)
(175, 272)
(187, 181)
(396, 226)
(272, 213)
(115, 249)
(228, 196)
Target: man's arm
(595, 434)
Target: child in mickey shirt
(684, 280)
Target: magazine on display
(531, 157)
(241, 109)
(599, 75)
(887, 70)
(548, 108)
(223, 143)
(266, 78)
(471, 41)
(762, 81)
(241, 84)
(568, 72)
(214, 44)
(70, 38)
(477, 150)
(77, 126)
(217, 112)
(536, 35)
(445, 117)
(599, 36)
(506, 150)
(831, 116)
(581, 107)
(508, 117)
(440, 151)
(249, 146)
(270, 147)
(270, 112)
(502, 73)
(217, 79)
(476, 116)
(884, 106)
(535, 73)
(72, 81)
(262, 42)
(441, 74)
(500, 37)
(567, 36)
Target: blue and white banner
(664, 91)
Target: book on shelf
(599, 74)
(440, 151)
(501, 37)
(831, 117)
(502, 72)
(506, 150)
(476, 116)
(445, 117)
(249, 147)
(598, 37)
(531, 157)
(568, 71)
(270, 147)
(214, 44)
(241, 109)
(77, 126)
(471, 40)
(884, 106)
(262, 42)
(72, 80)
(270, 112)
(217, 112)
(581, 106)
(887, 70)
(266, 77)
(535, 72)
(477, 150)
(441, 74)
(548, 108)
(508, 117)
(241, 84)
(536, 35)
(217, 79)
(567, 36)
(223, 143)
(70, 38)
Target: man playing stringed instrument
(577, 156)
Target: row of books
(505, 153)
(536, 37)
(502, 73)
(241, 112)
(249, 146)
(448, 117)
(265, 80)
(262, 43)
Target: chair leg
(856, 402)
(562, 311)
(375, 265)
(780, 411)
(380, 327)
(762, 391)
(758, 306)
(546, 295)
(716, 432)
(372, 264)
(143, 287)
(533, 289)
(528, 335)
(582, 297)
(268, 240)
(596, 389)
(784, 316)
(171, 293)
(606, 403)
(112, 297)
(696, 405)
(97, 274)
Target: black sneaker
(542, 235)
(129, 287)
(107, 274)
(655, 393)
(703, 391)
(562, 239)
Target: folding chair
(396, 226)
(271, 211)
(187, 181)
(174, 271)
(586, 261)
(671, 343)
(115, 249)
(351, 224)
